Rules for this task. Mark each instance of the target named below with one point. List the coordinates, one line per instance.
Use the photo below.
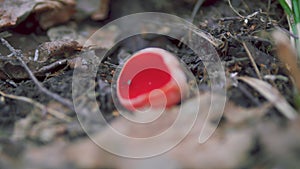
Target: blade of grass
(296, 14)
(296, 10)
(292, 9)
(286, 7)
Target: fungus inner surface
(142, 74)
(146, 81)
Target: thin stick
(252, 60)
(268, 7)
(52, 66)
(19, 56)
(234, 10)
(53, 112)
(196, 9)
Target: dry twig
(53, 65)
(18, 54)
(196, 9)
(39, 105)
(234, 10)
(252, 60)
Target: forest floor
(259, 127)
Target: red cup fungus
(144, 74)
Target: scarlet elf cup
(151, 77)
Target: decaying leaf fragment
(51, 13)
(287, 55)
(96, 9)
(56, 48)
(48, 13)
(12, 12)
(227, 148)
(272, 95)
(236, 114)
(47, 57)
(280, 143)
(102, 11)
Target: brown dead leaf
(56, 48)
(13, 71)
(272, 95)
(280, 143)
(96, 9)
(50, 156)
(102, 11)
(227, 148)
(58, 107)
(63, 32)
(100, 38)
(12, 12)
(38, 126)
(49, 13)
(188, 154)
(10, 151)
(46, 131)
(287, 55)
(44, 59)
(22, 127)
(238, 114)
